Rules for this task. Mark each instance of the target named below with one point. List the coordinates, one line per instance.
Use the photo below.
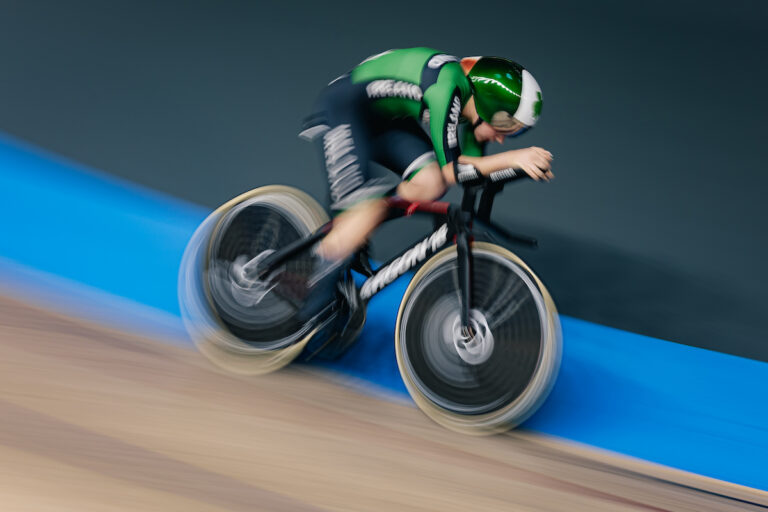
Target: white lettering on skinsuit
(466, 172)
(393, 89)
(504, 173)
(340, 162)
(401, 265)
(438, 60)
(453, 123)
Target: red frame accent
(439, 207)
(396, 203)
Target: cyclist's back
(375, 113)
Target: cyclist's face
(487, 133)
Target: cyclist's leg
(352, 228)
(427, 185)
(405, 149)
(342, 130)
(355, 196)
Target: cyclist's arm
(470, 165)
(445, 99)
(444, 104)
(470, 146)
(536, 162)
(472, 152)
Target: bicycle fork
(461, 219)
(465, 280)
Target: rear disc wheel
(241, 323)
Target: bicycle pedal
(362, 262)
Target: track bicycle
(477, 336)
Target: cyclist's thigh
(426, 185)
(402, 147)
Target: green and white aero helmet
(504, 92)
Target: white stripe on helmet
(529, 95)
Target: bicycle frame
(453, 224)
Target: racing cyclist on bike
(402, 110)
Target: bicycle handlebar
(491, 186)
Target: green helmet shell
(504, 92)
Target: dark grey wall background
(654, 110)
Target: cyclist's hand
(536, 162)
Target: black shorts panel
(402, 147)
(353, 135)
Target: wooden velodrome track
(96, 420)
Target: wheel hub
(475, 345)
(246, 288)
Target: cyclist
(402, 110)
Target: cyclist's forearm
(448, 174)
(484, 164)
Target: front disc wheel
(494, 375)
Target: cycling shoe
(321, 287)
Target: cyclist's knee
(427, 185)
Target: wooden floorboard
(94, 419)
